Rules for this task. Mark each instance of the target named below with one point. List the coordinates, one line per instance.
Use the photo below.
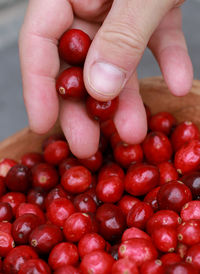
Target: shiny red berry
(110, 169)
(31, 159)
(67, 269)
(6, 227)
(36, 196)
(151, 198)
(6, 213)
(193, 255)
(108, 128)
(55, 193)
(152, 266)
(85, 203)
(94, 162)
(67, 164)
(35, 266)
(180, 267)
(170, 258)
(134, 232)
(189, 232)
(5, 165)
(55, 152)
(163, 122)
(14, 199)
(167, 172)
(25, 208)
(126, 203)
(165, 238)
(191, 210)
(6, 243)
(192, 180)
(124, 265)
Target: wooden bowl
(154, 93)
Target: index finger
(44, 23)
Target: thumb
(119, 44)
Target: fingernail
(106, 79)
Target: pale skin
(121, 30)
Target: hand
(127, 28)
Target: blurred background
(12, 111)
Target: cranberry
(111, 221)
(5, 165)
(52, 138)
(67, 164)
(126, 203)
(109, 170)
(193, 255)
(6, 227)
(5, 212)
(165, 238)
(163, 122)
(2, 187)
(22, 227)
(115, 140)
(59, 210)
(124, 265)
(73, 46)
(70, 84)
(63, 254)
(31, 159)
(55, 152)
(173, 195)
(152, 266)
(138, 250)
(36, 196)
(94, 162)
(77, 179)
(67, 269)
(170, 258)
(85, 203)
(18, 178)
(14, 199)
(191, 210)
(97, 262)
(189, 232)
(17, 257)
(108, 128)
(110, 190)
(151, 198)
(183, 133)
(139, 215)
(101, 110)
(141, 178)
(24, 208)
(35, 266)
(192, 180)
(6, 243)
(55, 193)
(134, 232)
(126, 154)
(181, 267)
(167, 172)
(166, 218)
(44, 237)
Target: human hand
(118, 45)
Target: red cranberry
(70, 84)
(6, 243)
(76, 180)
(166, 218)
(141, 178)
(97, 262)
(109, 170)
(36, 196)
(138, 250)
(170, 258)
(5, 212)
(55, 152)
(101, 110)
(94, 162)
(126, 203)
(191, 210)
(51, 139)
(192, 180)
(55, 193)
(14, 199)
(193, 255)
(31, 159)
(163, 122)
(164, 238)
(22, 227)
(6, 227)
(73, 46)
(152, 266)
(157, 148)
(111, 221)
(92, 193)
(85, 203)
(183, 133)
(17, 257)
(126, 154)
(44, 237)
(67, 269)
(89, 243)
(181, 267)
(124, 265)
(2, 187)
(35, 266)
(59, 210)
(110, 190)
(187, 158)
(5, 165)
(63, 254)
(67, 164)
(44, 176)
(139, 215)
(167, 172)
(173, 195)
(134, 232)
(189, 232)
(151, 198)
(108, 128)
(18, 178)
(24, 208)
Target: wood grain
(154, 93)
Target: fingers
(81, 132)
(169, 47)
(130, 119)
(119, 45)
(44, 23)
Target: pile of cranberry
(128, 209)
